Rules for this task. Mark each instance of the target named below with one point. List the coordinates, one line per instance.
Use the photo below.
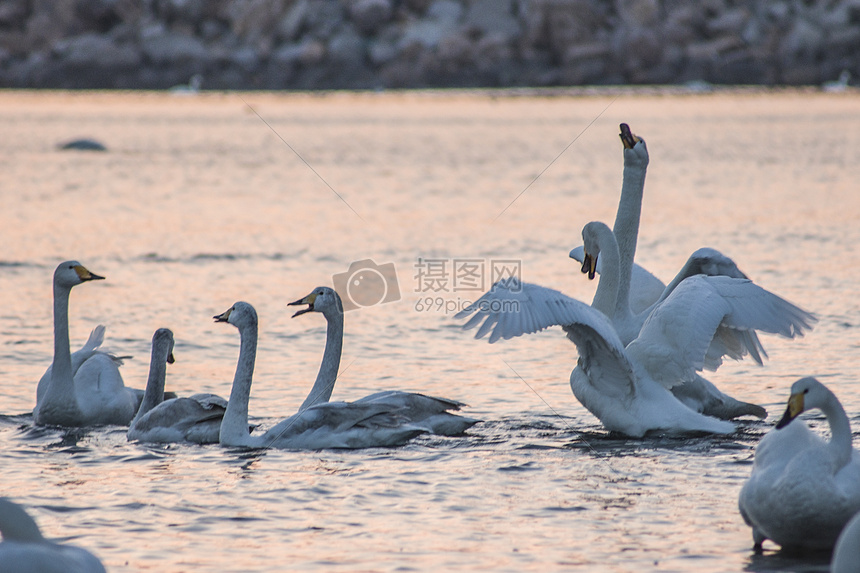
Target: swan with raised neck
(94, 393)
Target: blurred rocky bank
(375, 44)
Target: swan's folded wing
(411, 400)
(342, 425)
(693, 328)
(210, 401)
(433, 414)
(512, 309)
(645, 288)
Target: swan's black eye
(806, 391)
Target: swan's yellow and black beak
(794, 409)
(308, 300)
(224, 316)
(627, 138)
(86, 275)
(589, 266)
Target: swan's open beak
(589, 265)
(627, 138)
(795, 407)
(308, 300)
(224, 316)
(86, 275)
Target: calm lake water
(204, 200)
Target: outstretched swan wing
(690, 330)
(512, 308)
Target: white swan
(699, 394)
(320, 426)
(639, 291)
(628, 388)
(846, 554)
(803, 490)
(195, 419)
(24, 550)
(88, 390)
(428, 412)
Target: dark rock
(493, 17)
(164, 48)
(370, 15)
(347, 47)
(93, 50)
(82, 145)
(290, 25)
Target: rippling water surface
(203, 201)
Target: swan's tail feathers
(446, 424)
(423, 411)
(702, 396)
(96, 339)
(118, 360)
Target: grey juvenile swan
(195, 419)
(428, 412)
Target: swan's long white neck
(153, 395)
(234, 426)
(327, 375)
(60, 394)
(16, 525)
(626, 228)
(839, 446)
(606, 295)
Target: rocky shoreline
(383, 44)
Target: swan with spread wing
(639, 292)
(628, 387)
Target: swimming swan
(195, 419)
(628, 388)
(87, 390)
(427, 412)
(24, 550)
(320, 426)
(803, 490)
